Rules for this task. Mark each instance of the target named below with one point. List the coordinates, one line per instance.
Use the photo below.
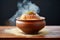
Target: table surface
(53, 32)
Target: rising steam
(23, 7)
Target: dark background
(48, 8)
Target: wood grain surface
(52, 32)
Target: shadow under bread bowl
(31, 26)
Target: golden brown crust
(29, 16)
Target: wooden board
(47, 32)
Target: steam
(28, 6)
(23, 7)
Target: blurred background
(48, 8)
